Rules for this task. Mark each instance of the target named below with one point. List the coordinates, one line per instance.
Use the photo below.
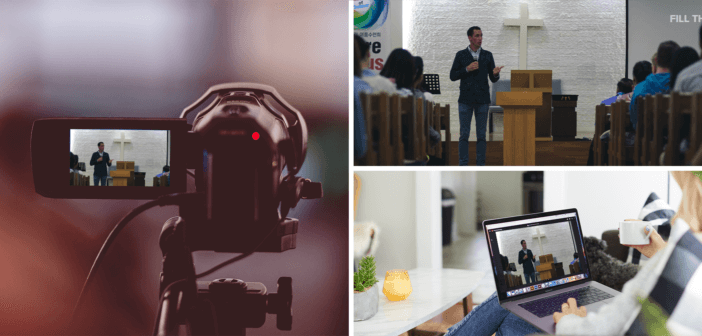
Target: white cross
(122, 140)
(523, 22)
(538, 235)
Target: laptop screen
(536, 253)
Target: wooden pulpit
(519, 130)
(124, 175)
(536, 81)
(120, 177)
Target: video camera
(243, 151)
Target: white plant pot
(365, 304)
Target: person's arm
(520, 259)
(458, 71)
(615, 317)
(656, 243)
(93, 159)
(491, 69)
(533, 258)
(107, 159)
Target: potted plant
(365, 291)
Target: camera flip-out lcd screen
(134, 158)
(120, 157)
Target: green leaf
(365, 276)
(654, 318)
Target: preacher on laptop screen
(532, 253)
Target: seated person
(575, 258)
(400, 68)
(375, 83)
(658, 82)
(166, 172)
(616, 317)
(624, 86)
(359, 123)
(74, 162)
(434, 136)
(641, 71)
(690, 79)
(682, 59)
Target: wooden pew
(695, 128)
(679, 113)
(618, 152)
(409, 125)
(397, 129)
(445, 125)
(397, 153)
(639, 136)
(646, 132)
(601, 118)
(660, 123)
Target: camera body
(243, 152)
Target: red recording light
(255, 135)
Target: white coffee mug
(634, 233)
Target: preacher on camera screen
(116, 157)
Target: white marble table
(433, 291)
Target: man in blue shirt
(655, 83)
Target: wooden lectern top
(531, 80)
(534, 99)
(120, 173)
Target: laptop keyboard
(551, 304)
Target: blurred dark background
(134, 59)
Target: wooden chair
(695, 128)
(678, 113)
(660, 122)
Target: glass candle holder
(397, 286)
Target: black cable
(160, 302)
(239, 257)
(163, 200)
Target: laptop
(554, 239)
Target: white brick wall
(147, 149)
(558, 241)
(582, 41)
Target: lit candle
(397, 286)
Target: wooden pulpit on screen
(124, 175)
(519, 140)
(536, 81)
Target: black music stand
(431, 84)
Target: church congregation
(653, 119)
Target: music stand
(431, 84)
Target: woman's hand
(570, 307)
(649, 250)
